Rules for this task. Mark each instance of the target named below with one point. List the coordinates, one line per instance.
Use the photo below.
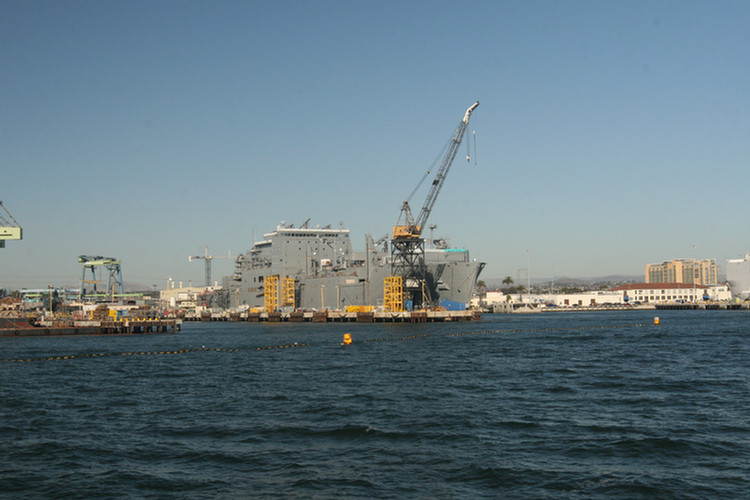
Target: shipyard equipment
(407, 244)
(208, 258)
(114, 276)
(9, 227)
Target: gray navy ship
(328, 274)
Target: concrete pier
(345, 317)
(105, 327)
(709, 306)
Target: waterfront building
(738, 276)
(659, 293)
(690, 271)
(589, 298)
(184, 297)
(632, 294)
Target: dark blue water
(562, 405)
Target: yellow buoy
(656, 320)
(347, 339)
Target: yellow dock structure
(393, 294)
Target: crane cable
(6, 221)
(419, 184)
(432, 166)
(474, 133)
(468, 156)
(9, 214)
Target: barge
(23, 327)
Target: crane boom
(412, 228)
(9, 230)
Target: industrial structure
(9, 227)
(114, 276)
(407, 244)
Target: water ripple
(546, 407)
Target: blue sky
(609, 135)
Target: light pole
(528, 271)
(695, 298)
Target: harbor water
(556, 405)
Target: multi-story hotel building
(689, 271)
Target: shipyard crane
(112, 265)
(208, 258)
(412, 228)
(407, 244)
(9, 227)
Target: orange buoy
(347, 339)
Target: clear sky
(609, 135)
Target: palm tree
(481, 290)
(508, 281)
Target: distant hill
(566, 282)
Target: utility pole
(695, 298)
(528, 271)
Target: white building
(666, 293)
(185, 297)
(590, 298)
(738, 275)
(638, 293)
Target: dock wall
(344, 317)
(121, 327)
